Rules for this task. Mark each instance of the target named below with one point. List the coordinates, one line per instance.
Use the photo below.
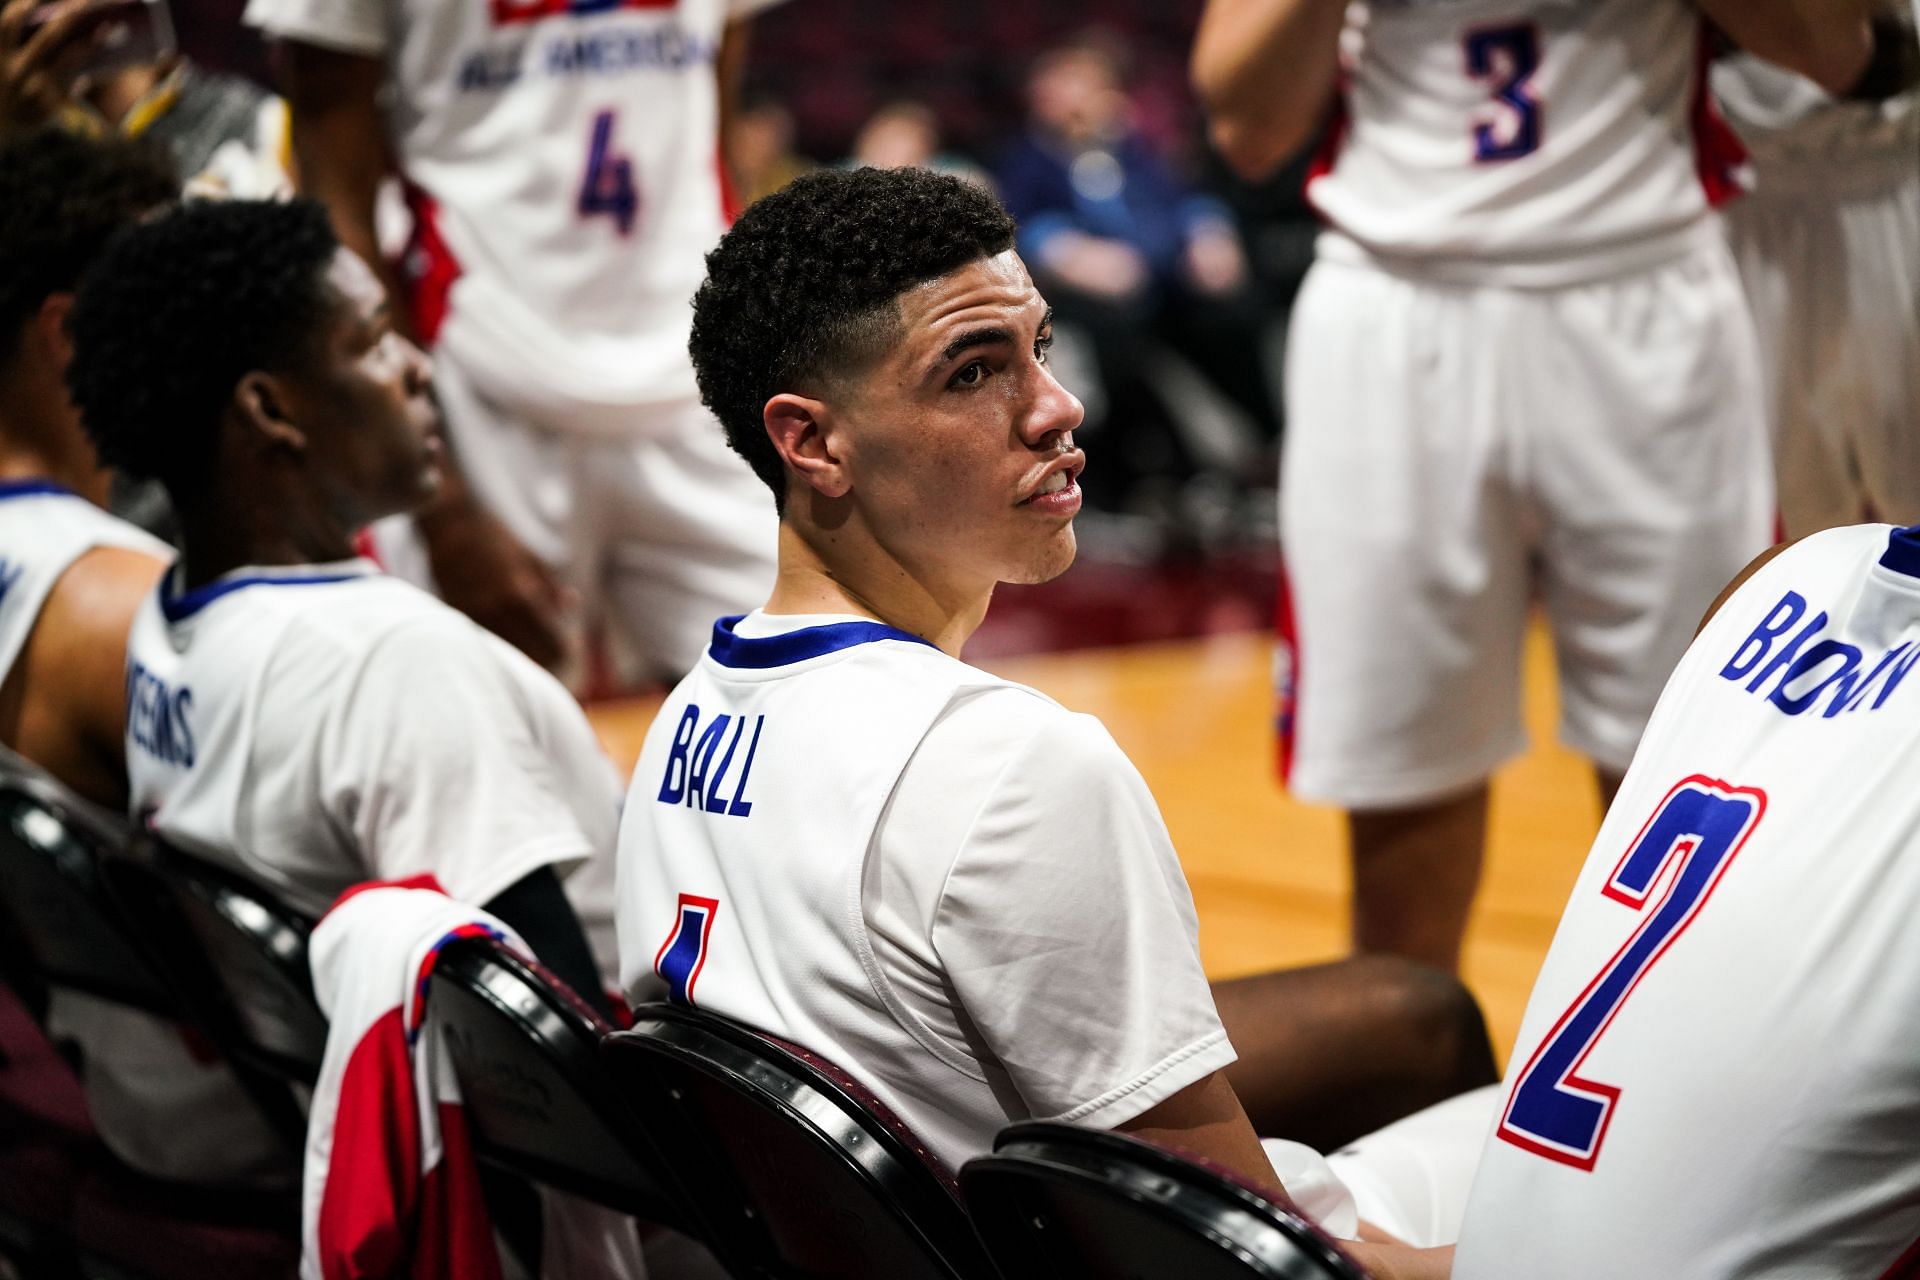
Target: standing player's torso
(570, 148)
(1716, 1074)
(1515, 131)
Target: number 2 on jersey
(1696, 832)
(1507, 57)
(608, 187)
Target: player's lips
(1057, 493)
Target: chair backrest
(539, 1098)
(1059, 1199)
(801, 1170)
(238, 954)
(65, 928)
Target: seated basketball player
(843, 834)
(293, 713)
(1716, 1075)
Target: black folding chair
(237, 957)
(539, 1099)
(1061, 1200)
(803, 1171)
(62, 925)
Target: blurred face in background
(1075, 94)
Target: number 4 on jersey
(608, 187)
(1695, 832)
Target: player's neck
(41, 440)
(868, 582)
(220, 533)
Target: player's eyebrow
(990, 336)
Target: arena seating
(1058, 1199)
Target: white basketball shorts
(659, 532)
(1833, 275)
(1454, 452)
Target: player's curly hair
(177, 311)
(805, 286)
(61, 199)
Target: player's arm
(537, 909)
(340, 151)
(1828, 41)
(78, 653)
(1265, 71)
(1206, 1119)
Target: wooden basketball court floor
(1268, 873)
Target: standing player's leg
(1406, 555)
(693, 533)
(1655, 472)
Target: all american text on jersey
(1782, 661)
(157, 717)
(691, 777)
(602, 52)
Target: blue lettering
(1809, 661)
(1785, 657)
(157, 720)
(673, 785)
(1895, 676)
(1792, 605)
(714, 803)
(741, 807)
(703, 761)
(9, 574)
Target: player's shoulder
(1000, 719)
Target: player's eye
(1042, 345)
(971, 375)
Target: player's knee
(1444, 1032)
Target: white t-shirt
(565, 157)
(44, 528)
(946, 883)
(319, 725)
(1530, 142)
(1716, 1076)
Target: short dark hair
(177, 311)
(61, 199)
(806, 286)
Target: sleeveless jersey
(767, 795)
(564, 155)
(44, 528)
(315, 726)
(1532, 142)
(1716, 1073)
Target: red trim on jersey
(1906, 1266)
(427, 268)
(1331, 140)
(1719, 157)
(729, 198)
(1286, 691)
(366, 548)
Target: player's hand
(490, 575)
(39, 62)
(1213, 261)
(1401, 1262)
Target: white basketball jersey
(1716, 1076)
(568, 156)
(44, 528)
(1538, 142)
(314, 726)
(765, 820)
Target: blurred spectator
(760, 148)
(906, 135)
(1132, 254)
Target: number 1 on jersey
(1507, 57)
(1696, 831)
(608, 187)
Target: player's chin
(1047, 562)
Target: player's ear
(797, 426)
(261, 401)
(50, 328)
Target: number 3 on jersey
(608, 187)
(1506, 57)
(1695, 832)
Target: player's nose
(419, 368)
(1056, 410)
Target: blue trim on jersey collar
(33, 489)
(1903, 551)
(180, 608)
(759, 653)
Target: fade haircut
(177, 311)
(806, 287)
(61, 199)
